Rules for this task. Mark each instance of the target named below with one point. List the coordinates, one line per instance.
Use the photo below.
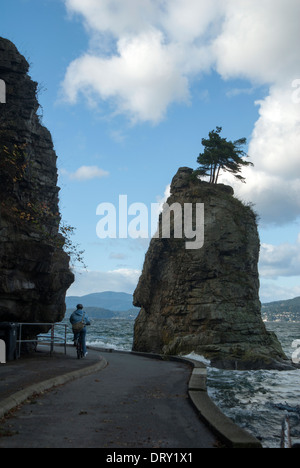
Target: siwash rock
(207, 300)
(34, 269)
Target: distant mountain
(107, 300)
(104, 305)
(100, 313)
(119, 305)
(284, 311)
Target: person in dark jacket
(78, 317)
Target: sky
(129, 88)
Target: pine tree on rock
(221, 155)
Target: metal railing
(50, 338)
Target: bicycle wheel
(78, 348)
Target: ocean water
(259, 400)
(255, 400)
(107, 333)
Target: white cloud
(120, 280)
(163, 199)
(276, 291)
(156, 48)
(115, 17)
(273, 185)
(276, 137)
(258, 40)
(143, 78)
(187, 21)
(144, 56)
(279, 269)
(280, 260)
(84, 173)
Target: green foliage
(221, 155)
(283, 311)
(73, 250)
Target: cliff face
(206, 300)
(34, 270)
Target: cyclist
(79, 320)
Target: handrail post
(20, 339)
(52, 339)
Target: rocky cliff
(34, 269)
(206, 300)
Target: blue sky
(128, 90)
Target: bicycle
(79, 349)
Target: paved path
(134, 402)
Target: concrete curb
(18, 398)
(228, 432)
(225, 429)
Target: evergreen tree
(221, 155)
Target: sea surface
(255, 400)
(259, 400)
